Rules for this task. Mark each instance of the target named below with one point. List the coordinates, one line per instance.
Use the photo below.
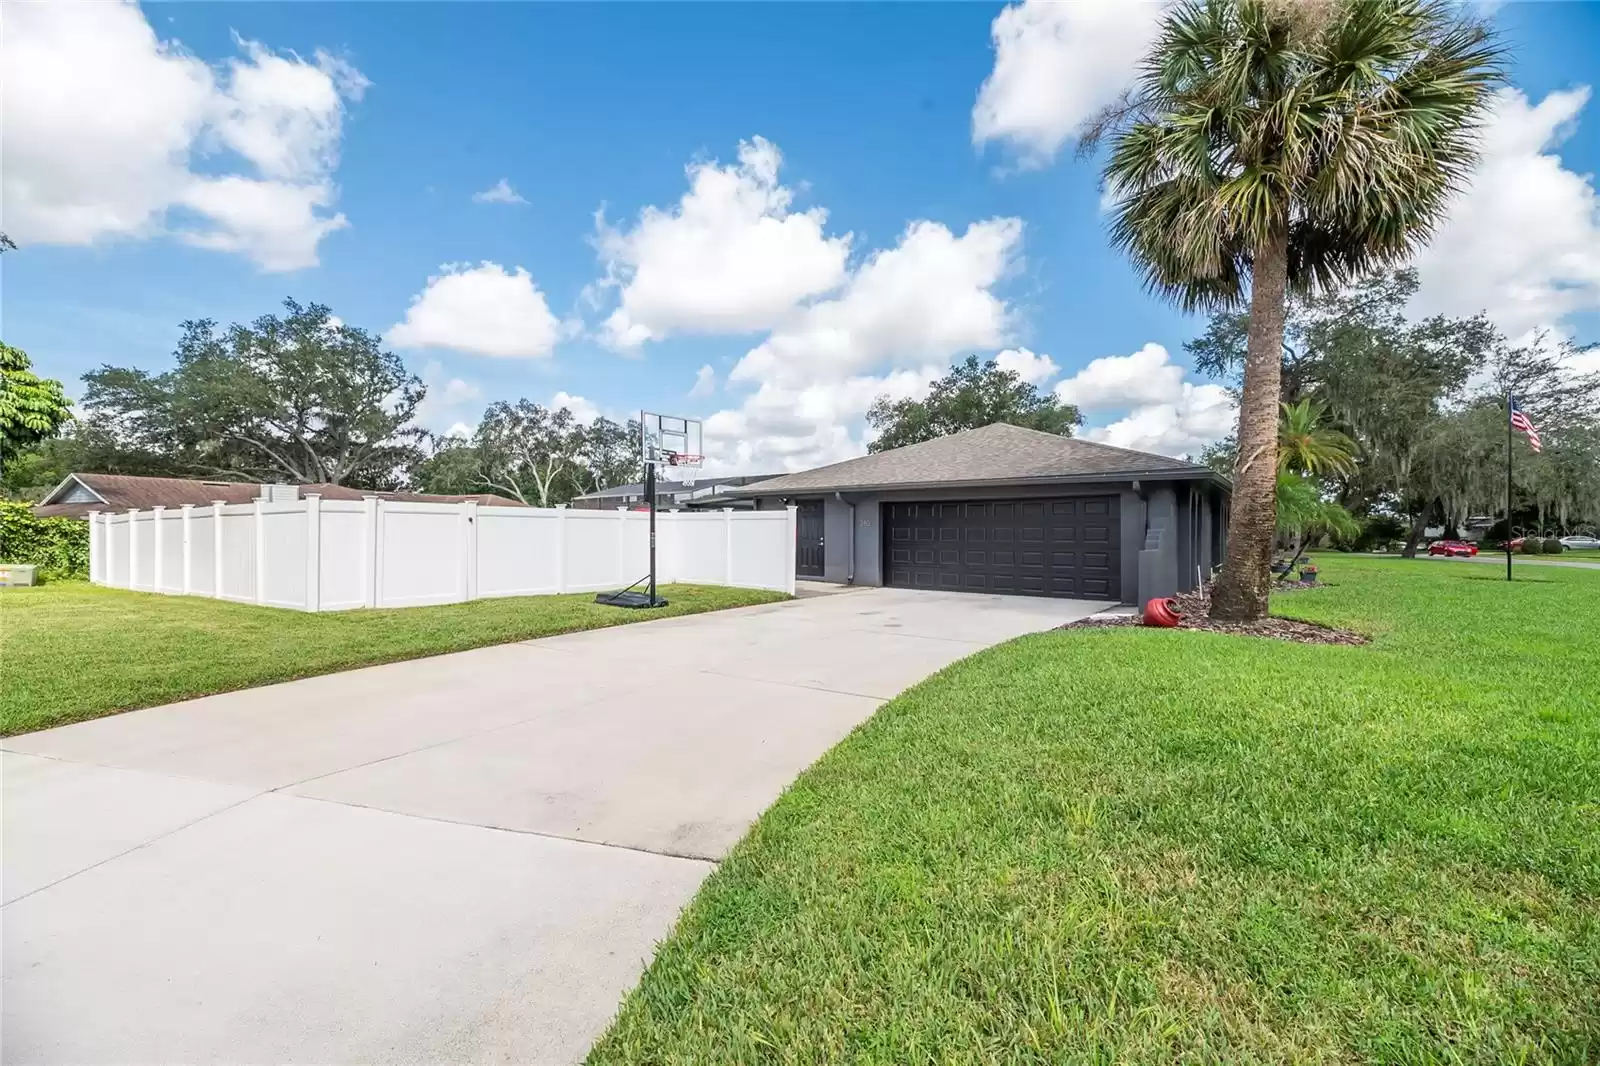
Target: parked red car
(1452, 547)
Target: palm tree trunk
(1242, 589)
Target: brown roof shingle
(998, 452)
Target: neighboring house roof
(996, 453)
(80, 493)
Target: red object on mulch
(1194, 612)
(1162, 612)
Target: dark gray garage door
(1057, 547)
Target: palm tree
(1307, 445)
(1277, 146)
(1303, 514)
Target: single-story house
(706, 492)
(1002, 509)
(78, 494)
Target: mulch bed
(1196, 606)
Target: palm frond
(1349, 130)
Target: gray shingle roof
(994, 453)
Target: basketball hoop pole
(650, 493)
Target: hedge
(59, 547)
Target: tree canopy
(973, 394)
(301, 398)
(534, 454)
(31, 408)
(1421, 405)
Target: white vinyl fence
(334, 555)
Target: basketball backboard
(665, 438)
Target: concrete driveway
(463, 858)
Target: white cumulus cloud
(1199, 415)
(583, 410)
(729, 257)
(733, 257)
(1056, 65)
(1146, 376)
(795, 426)
(449, 400)
(105, 123)
(927, 298)
(484, 310)
(1165, 413)
(705, 382)
(904, 314)
(1523, 242)
(1032, 367)
(500, 192)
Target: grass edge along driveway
(1133, 846)
(71, 651)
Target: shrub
(1553, 546)
(1532, 546)
(59, 547)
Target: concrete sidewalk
(463, 858)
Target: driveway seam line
(682, 856)
(436, 744)
(137, 847)
(808, 688)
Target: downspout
(1144, 538)
(850, 567)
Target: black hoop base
(626, 598)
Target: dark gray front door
(808, 539)
(1053, 547)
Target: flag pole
(1508, 484)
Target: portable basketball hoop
(674, 442)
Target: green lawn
(72, 650)
(1138, 846)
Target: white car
(1571, 543)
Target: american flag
(1520, 423)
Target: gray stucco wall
(1158, 552)
(1165, 535)
(835, 540)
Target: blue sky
(825, 263)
